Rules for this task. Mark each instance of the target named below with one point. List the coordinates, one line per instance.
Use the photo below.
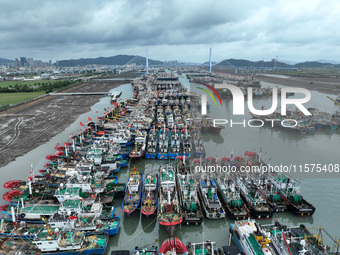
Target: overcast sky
(183, 30)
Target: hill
(5, 61)
(248, 63)
(114, 60)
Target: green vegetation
(7, 99)
(14, 92)
(34, 86)
(29, 83)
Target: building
(274, 62)
(17, 63)
(23, 61)
(38, 63)
(30, 62)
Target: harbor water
(278, 148)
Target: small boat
(133, 192)
(212, 207)
(172, 246)
(150, 194)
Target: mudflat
(323, 85)
(25, 127)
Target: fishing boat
(151, 145)
(206, 247)
(86, 221)
(169, 208)
(232, 201)
(289, 190)
(276, 239)
(133, 192)
(125, 151)
(198, 147)
(20, 230)
(188, 198)
(175, 144)
(173, 246)
(244, 236)
(182, 165)
(163, 144)
(186, 143)
(145, 250)
(150, 194)
(212, 207)
(274, 199)
(256, 202)
(140, 145)
(56, 241)
(31, 213)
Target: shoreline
(27, 126)
(323, 85)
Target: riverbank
(26, 126)
(323, 85)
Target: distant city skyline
(290, 30)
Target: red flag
(81, 124)
(89, 119)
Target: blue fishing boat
(152, 145)
(125, 151)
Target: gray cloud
(183, 30)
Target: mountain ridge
(113, 60)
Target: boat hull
(150, 155)
(162, 156)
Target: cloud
(177, 29)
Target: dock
(114, 93)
